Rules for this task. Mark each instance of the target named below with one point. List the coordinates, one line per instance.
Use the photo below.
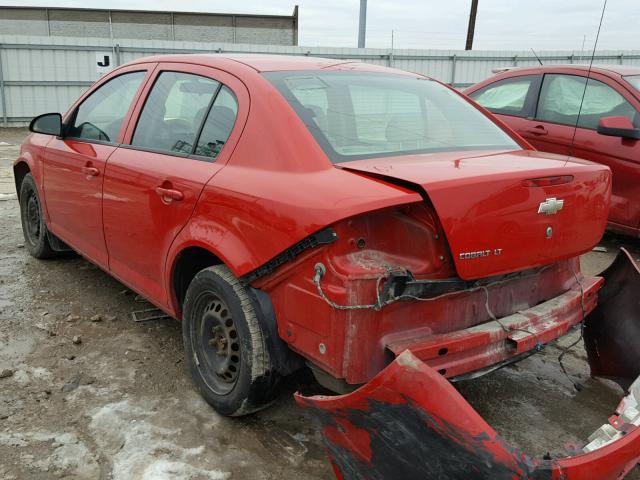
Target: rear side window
(218, 125)
(508, 97)
(99, 117)
(561, 96)
(174, 111)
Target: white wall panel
(42, 74)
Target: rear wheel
(225, 346)
(34, 228)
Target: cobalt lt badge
(550, 206)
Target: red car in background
(369, 223)
(542, 105)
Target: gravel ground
(118, 404)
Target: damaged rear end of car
(409, 422)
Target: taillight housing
(408, 238)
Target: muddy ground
(119, 404)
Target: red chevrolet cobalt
(299, 211)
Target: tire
(225, 348)
(34, 228)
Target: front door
(152, 184)
(74, 165)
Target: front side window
(99, 117)
(508, 97)
(173, 112)
(561, 96)
(364, 115)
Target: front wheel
(34, 228)
(225, 347)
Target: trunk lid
(497, 216)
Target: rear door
(557, 112)
(74, 165)
(175, 142)
(513, 101)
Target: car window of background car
(634, 80)
(100, 116)
(561, 96)
(355, 115)
(218, 125)
(505, 96)
(173, 112)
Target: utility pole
(472, 25)
(362, 27)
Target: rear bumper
(409, 422)
(495, 342)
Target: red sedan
(299, 211)
(542, 105)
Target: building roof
(122, 10)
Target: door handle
(169, 194)
(90, 171)
(537, 130)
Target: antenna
(577, 385)
(537, 57)
(586, 82)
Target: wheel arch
(20, 170)
(206, 242)
(192, 257)
(186, 263)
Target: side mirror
(618, 127)
(49, 124)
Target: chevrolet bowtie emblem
(550, 206)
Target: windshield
(634, 80)
(363, 115)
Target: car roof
(272, 63)
(622, 70)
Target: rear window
(364, 115)
(508, 96)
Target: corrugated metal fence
(45, 74)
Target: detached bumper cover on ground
(410, 422)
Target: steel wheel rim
(32, 218)
(217, 343)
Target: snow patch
(140, 449)
(25, 374)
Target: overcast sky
(501, 24)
